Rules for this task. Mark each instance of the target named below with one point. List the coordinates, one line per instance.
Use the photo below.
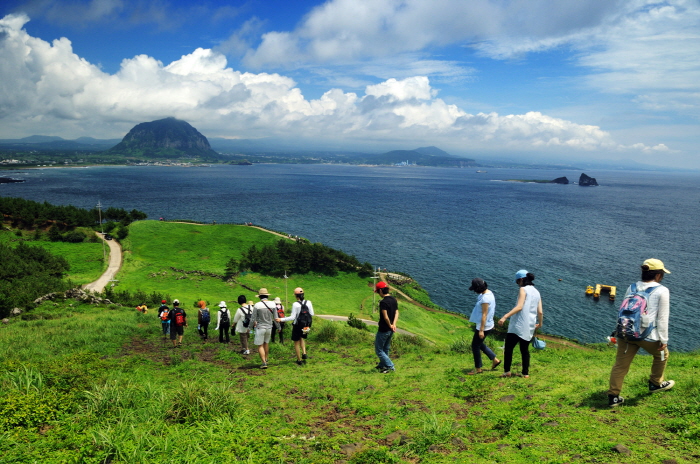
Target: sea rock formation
(587, 181)
(561, 180)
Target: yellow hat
(655, 265)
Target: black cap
(478, 285)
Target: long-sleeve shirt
(658, 309)
(296, 309)
(240, 317)
(218, 317)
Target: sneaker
(615, 400)
(303, 356)
(263, 366)
(386, 370)
(299, 362)
(666, 385)
(246, 352)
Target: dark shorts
(176, 330)
(297, 334)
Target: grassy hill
(97, 384)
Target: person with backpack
(164, 316)
(263, 319)
(203, 319)
(643, 323)
(241, 319)
(388, 318)
(527, 317)
(301, 317)
(223, 322)
(482, 316)
(178, 322)
(279, 326)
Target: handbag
(538, 344)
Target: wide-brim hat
(277, 300)
(222, 304)
(263, 292)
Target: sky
(530, 80)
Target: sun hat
(655, 265)
(263, 292)
(277, 300)
(521, 274)
(477, 284)
(176, 302)
(222, 304)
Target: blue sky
(539, 80)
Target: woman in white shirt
(522, 326)
(482, 316)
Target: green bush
(30, 408)
(357, 323)
(328, 332)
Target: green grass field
(98, 383)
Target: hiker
(526, 313)
(241, 320)
(388, 317)
(178, 322)
(654, 323)
(302, 312)
(482, 316)
(223, 322)
(164, 316)
(279, 326)
(262, 320)
(203, 319)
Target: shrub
(328, 332)
(461, 345)
(357, 323)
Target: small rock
(551, 424)
(6, 321)
(16, 311)
(457, 441)
(622, 449)
(507, 398)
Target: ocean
(442, 226)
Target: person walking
(301, 317)
(263, 317)
(279, 326)
(223, 322)
(164, 316)
(482, 316)
(388, 318)
(241, 320)
(526, 314)
(203, 319)
(178, 322)
(654, 323)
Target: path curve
(115, 263)
(366, 321)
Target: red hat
(163, 301)
(380, 284)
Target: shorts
(262, 335)
(297, 334)
(176, 330)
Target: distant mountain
(166, 138)
(426, 156)
(54, 143)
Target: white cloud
(46, 85)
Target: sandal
(474, 372)
(495, 365)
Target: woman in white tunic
(527, 316)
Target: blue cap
(521, 274)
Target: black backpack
(304, 318)
(224, 316)
(246, 318)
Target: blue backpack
(629, 317)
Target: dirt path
(366, 321)
(115, 263)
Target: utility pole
(99, 212)
(375, 277)
(286, 298)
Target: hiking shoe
(263, 366)
(615, 400)
(303, 356)
(386, 370)
(666, 385)
(299, 362)
(246, 352)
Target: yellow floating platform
(599, 288)
(589, 290)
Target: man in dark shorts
(302, 310)
(388, 317)
(178, 322)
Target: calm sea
(442, 226)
